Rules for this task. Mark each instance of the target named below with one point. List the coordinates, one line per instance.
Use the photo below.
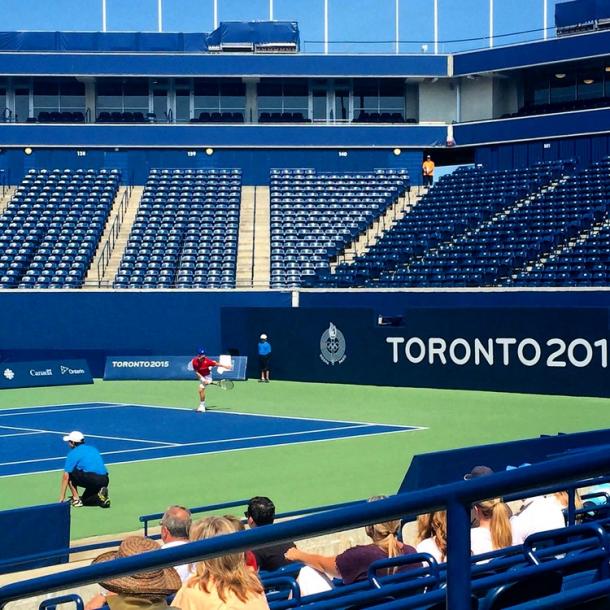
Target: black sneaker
(103, 494)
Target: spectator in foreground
(352, 565)
(175, 527)
(476, 473)
(539, 514)
(494, 530)
(221, 582)
(240, 527)
(84, 467)
(261, 512)
(144, 591)
(432, 536)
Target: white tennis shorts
(205, 380)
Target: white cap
(264, 337)
(75, 437)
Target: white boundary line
(172, 457)
(18, 434)
(193, 444)
(61, 404)
(83, 408)
(112, 438)
(338, 421)
(134, 404)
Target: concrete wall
(505, 96)
(476, 99)
(437, 101)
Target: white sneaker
(200, 409)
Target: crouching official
(84, 467)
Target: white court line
(193, 444)
(338, 421)
(188, 455)
(112, 438)
(61, 404)
(19, 434)
(91, 408)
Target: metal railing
(456, 498)
(115, 229)
(253, 237)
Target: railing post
(571, 505)
(458, 555)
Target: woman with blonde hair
(494, 531)
(352, 565)
(435, 528)
(221, 582)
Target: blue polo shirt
(85, 458)
(264, 348)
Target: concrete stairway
(262, 239)
(120, 243)
(245, 239)
(253, 248)
(6, 198)
(403, 205)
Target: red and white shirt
(203, 365)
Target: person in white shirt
(538, 514)
(432, 535)
(494, 530)
(175, 526)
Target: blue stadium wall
(549, 342)
(255, 163)
(524, 154)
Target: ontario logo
(332, 346)
(9, 374)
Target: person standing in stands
(264, 355)
(84, 467)
(428, 171)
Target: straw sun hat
(153, 582)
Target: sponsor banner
(537, 350)
(166, 367)
(43, 373)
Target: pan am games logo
(332, 346)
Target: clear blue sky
(350, 20)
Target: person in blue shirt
(84, 467)
(264, 355)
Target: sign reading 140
(554, 353)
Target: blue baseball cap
(201, 351)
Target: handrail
(115, 228)
(455, 497)
(253, 239)
(232, 504)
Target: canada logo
(332, 346)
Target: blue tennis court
(31, 437)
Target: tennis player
(202, 365)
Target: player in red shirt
(202, 365)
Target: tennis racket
(224, 384)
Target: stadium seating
(122, 117)
(314, 216)
(467, 214)
(571, 106)
(219, 117)
(50, 230)
(584, 260)
(61, 117)
(185, 232)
